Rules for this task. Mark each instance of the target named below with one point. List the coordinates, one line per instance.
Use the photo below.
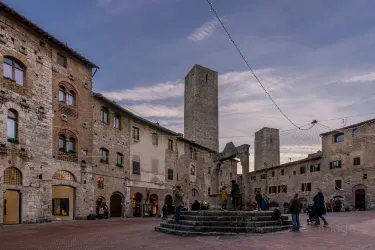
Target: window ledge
(135, 140)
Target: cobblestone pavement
(351, 230)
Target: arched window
(192, 170)
(194, 192)
(64, 175)
(71, 144)
(14, 70)
(12, 124)
(119, 159)
(103, 155)
(65, 96)
(12, 176)
(104, 115)
(338, 137)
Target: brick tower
(266, 148)
(201, 115)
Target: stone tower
(201, 115)
(266, 148)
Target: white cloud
(152, 110)
(362, 78)
(204, 31)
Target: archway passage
(62, 203)
(137, 205)
(116, 205)
(360, 199)
(12, 207)
(99, 202)
(169, 202)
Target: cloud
(204, 31)
(103, 3)
(149, 110)
(370, 77)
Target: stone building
(344, 169)
(266, 148)
(201, 109)
(42, 132)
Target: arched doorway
(137, 205)
(169, 202)
(116, 205)
(360, 199)
(99, 201)
(63, 197)
(154, 202)
(12, 198)
(194, 195)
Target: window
(155, 139)
(135, 133)
(119, 159)
(62, 143)
(67, 145)
(13, 70)
(12, 124)
(283, 189)
(70, 145)
(357, 161)
(338, 185)
(100, 183)
(104, 115)
(103, 155)
(272, 189)
(116, 121)
(136, 167)
(263, 176)
(192, 170)
(61, 60)
(335, 164)
(63, 175)
(273, 173)
(294, 172)
(282, 171)
(253, 177)
(193, 153)
(60, 207)
(338, 138)
(355, 132)
(209, 170)
(170, 174)
(302, 170)
(12, 176)
(365, 176)
(194, 192)
(66, 97)
(306, 187)
(315, 168)
(209, 191)
(170, 145)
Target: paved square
(351, 230)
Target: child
(224, 198)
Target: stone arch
(116, 204)
(12, 176)
(64, 175)
(168, 200)
(359, 197)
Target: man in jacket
(236, 194)
(178, 203)
(258, 199)
(295, 209)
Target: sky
(314, 57)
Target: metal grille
(63, 175)
(12, 176)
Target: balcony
(67, 156)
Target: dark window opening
(170, 174)
(60, 207)
(136, 168)
(338, 137)
(338, 185)
(357, 161)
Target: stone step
(216, 231)
(228, 218)
(187, 233)
(230, 223)
(227, 213)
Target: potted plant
(13, 140)
(91, 217)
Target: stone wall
(201, 107)
(266, 148)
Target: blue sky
(315, 58)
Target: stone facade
(201, 117)
(266, 148)
(343, 169)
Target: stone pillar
(244, 158)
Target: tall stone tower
(201, 115)
(266, 148)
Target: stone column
(244, 158)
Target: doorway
(169, 202)
(116, 205)
(360, 199)
(12, 207)
(62, 203)
(137, 205)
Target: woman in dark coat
(319, 208)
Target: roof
(351, 126)
(44, 34)
(315, 156)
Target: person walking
(295, 209)
(178, 203)
(165, 212)
(236, 194)
(258, 199)
(319, 208)
(224, 198)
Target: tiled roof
(351, 126)
(44, 34)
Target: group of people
(262, 203)
(334, 205)
(103, 211)
(319, 210)
(235, 195)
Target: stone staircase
(224, 223)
